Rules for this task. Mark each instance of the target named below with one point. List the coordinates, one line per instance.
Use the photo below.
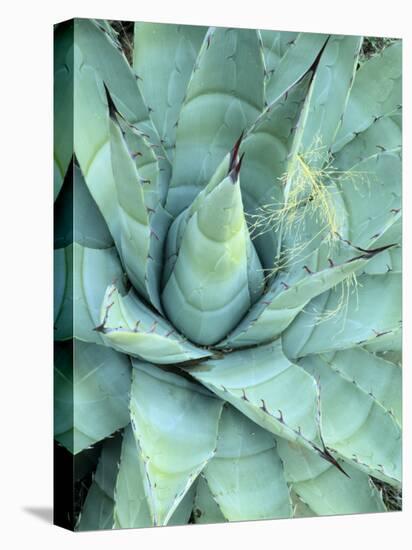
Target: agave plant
(227, 273)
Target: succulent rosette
(227, 273)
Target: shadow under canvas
(44, 513)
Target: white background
(26, 270)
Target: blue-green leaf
(63, 102)
(77, 217)
(246, 475)
(372, 200)
(289, 293)
(163, 58)
(143, 221)
(325, 489)
(100, 50)
(207, 294)
(99, 149)
(297, 60)
(175, 424)
(224, 96)
(377, 91)
(346, 316)
(383, 134)
(63, 293)
(275, 44)
(97, 511)
(206, 509)
(354, 424)
(93, 383)
(265, 147)
(380, 379)
(266, 387)
(131, 327)
(81, 279)
(326, 100)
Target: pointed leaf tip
(110, 104)
(366, 253)
(235, 151)
(326, 455)
(234, 172)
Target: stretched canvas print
(227, 274)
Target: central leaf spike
(212, 274)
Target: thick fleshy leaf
(267, 388)
(81, 278)
(63, 293)
(340, 402)
(91, 140)
(206, 509)
(130, 505)
(300, 508)
(97, 512)
(95, 383)
(100, 150)
(347, 316)
(175, 424)
(77, 217)
(325, 102)
(94, 270)
(163, 58)
(63, 393)
(372, 200)
(275, 44)
(183, 513)
(394, 357)
(325, 489)
(143, 221)
(131, 327)
(377, 91)
(297, 60)
(63, 102)
(131, 509)
(224, 97)
(207, 294)
(331, 493)
(388, 343)
(246, 475)
(123, 174)
(388, 260)
(289, 293)
(271, 134)
(100, 50)
(106, 26)
(266, 146)
(380, 379)
(354, 424)
(85, 261)
(309, 187)
(383, 134)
